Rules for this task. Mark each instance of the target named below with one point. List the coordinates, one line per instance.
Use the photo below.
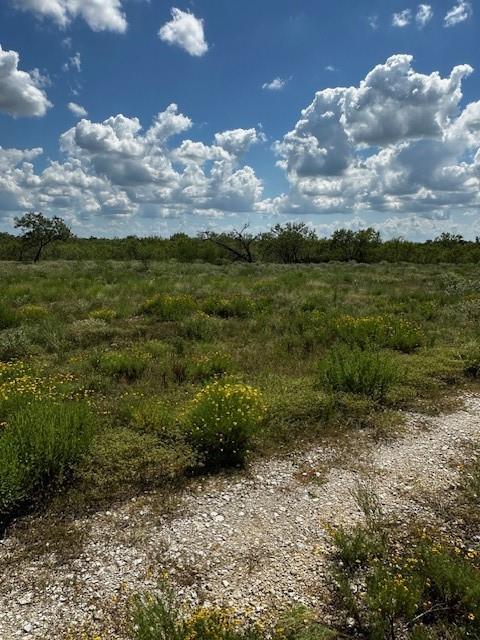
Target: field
(118, 379)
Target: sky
(150, 118)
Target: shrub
(209, 366)
(197, 327)
(236, 307)
(32, 312)
(90, 331)
(8, 317)
(40, 444)
(471, 360)
(221, 421)
(123, 365)
(369, 373)
(388, 582)
(14, 343)
(168, 307)
(103, 314)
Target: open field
(123, 381)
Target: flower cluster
(19, 381)
(381, 330)
(221, 421)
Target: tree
(289, 242)
(237, 243)
(39, 232)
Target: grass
(40, 445)
(328, 347)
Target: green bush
(197, 327)
(40, 444)
(221, 421)
(14, 343)
(8, 317)
(210, 365)
(32, 312)
(368, 373)
(104, 313)
(122, 365)
(413, 584)
(168, 307)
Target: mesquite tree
(39, 232)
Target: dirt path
(248, 541)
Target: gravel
(252, 541)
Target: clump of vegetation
(221, 421)
(162, 618)
(381, 331)
(14, 343)
(40, 444)
(8, 317)
(210, 365)
(122, 365)
(33, 312)
(365, 372)
(104, 313)
(168, 307)
(409, 585)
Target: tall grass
(370, 373)
(40, 444)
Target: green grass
(330, 347)
(39, 445)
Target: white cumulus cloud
(100, 15)
(402, 18)
(458, 13)
(186, 31)
(77, 110)
(21, 93)
(424, 15)
(398, 142)
(277, 84)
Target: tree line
(290, 243)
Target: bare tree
(237, 243)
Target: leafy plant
(369, 373)
(221, 421)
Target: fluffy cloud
(186, 31)
(115, 168)
(458, 13)
(402, 19)
(77, 110)
(21, 93)
(397, 142)
(277, 84)
(424, 15)
(100, 15)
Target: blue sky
(397, 148)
